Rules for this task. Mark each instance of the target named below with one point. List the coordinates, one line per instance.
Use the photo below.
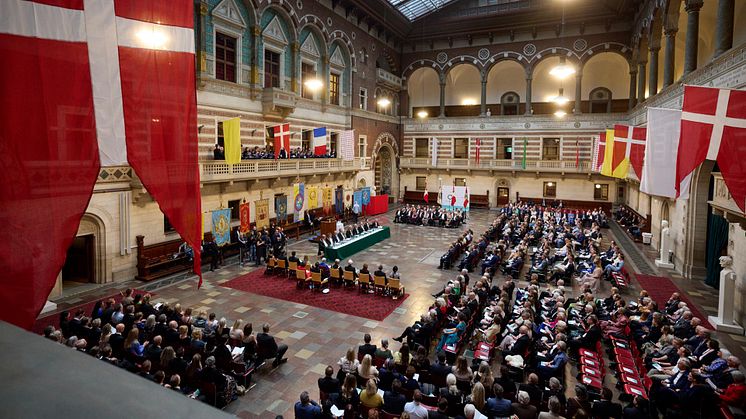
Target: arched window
(509, 103)
(600, 100)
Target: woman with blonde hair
(236, 332)
(348, 364)
(222, 328)
(132, 345)
(484, 376)
(366, 369)
(477, 396)
(369, 397)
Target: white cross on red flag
(629, 149)
(713, 127)
(282, 139)
(600, 150)
(85, 84)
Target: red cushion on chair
(591, 381)
(635, 390)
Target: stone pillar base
(723, 327)
(48, 307)
(661, 264)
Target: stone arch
(343, 38)
(92, 224)
(385, 162)
(361, 183)
(611, 47)
(502, 57)
(544, 54)
(285, 9)
(251, 8)
(460, 85)
(315, 24)
(461, 60)
(418, 64)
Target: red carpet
(54, 319)
(347, 301)
(660, 289)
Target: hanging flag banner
(299, 196)
(455, 197)
(713, 127)
(319, 141)
(357, 196)
(262, 213)
(281, 208)
(244, 212)
(221, 226)
(434, 156)
(629, 150)
(313, 197)
(347, 144)
(327, 200)
(281, 134)
(606, 169)
(599, 149)
(426, 195)
(232, 140)
(366, 196)
(661, 152)
(339, 200)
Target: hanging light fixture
(313, 84)
(560, 99)
(562, 70)
(559, 113)
(422, 114)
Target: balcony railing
(496, 164)
(387, 79)
(212, 172)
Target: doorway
(384, 170)
(79, 262)
(503, 196)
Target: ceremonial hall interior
(373, 208)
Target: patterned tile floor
(318, 337)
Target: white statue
(724, 320)
(664, 247)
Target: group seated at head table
(429, 216)
(303, 270)
(194, 354)
(348, 232)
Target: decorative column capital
(633, 73)
(654, 48)
(693, 5)
(670, 32)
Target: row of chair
(338, 277)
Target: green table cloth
(351, 246)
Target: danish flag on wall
(629, 150)
(713, 127)
(85, 84)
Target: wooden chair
(379, 284)
(363, 282)
(395, 288)
(292, 267)
(282, 266)
(271, 263)
(335, 277)
(300, 278)
(316, 281)
(349, 278)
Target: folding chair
(334, 276)
(395, 288)
(270, 266)
(316, 281)
(379, 284)
(300, 278)
(363, 282)
(281, 266)
(349, 278)
(292, 267)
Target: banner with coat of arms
(244, 212)
(365, 196)
(339, 202)
(262, 213)
(281, 208)
(299, 192)
(327, 200)
(313, 197)
(221, 226)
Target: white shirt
(415, 410)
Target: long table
(351, 246)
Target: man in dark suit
(521, 345)
(351, 268)
(322, 245)
(328, 384)
(367, 348)
(605, 408)
(380, 272)
(592, 335)
(116, 341)
(266, 347)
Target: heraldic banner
(327, 200)
(313, 197)
(261, 207)
(454, 197)
(339, 200)
(299, 192)
(281, 208)
(244, 212)
(366, 196)
(221, 226)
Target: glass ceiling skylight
(413, 9)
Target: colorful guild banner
(313, 197)
(244, 212)
(262, 213)
(339, 200)
(221, 226)
(455, 197)
(281, 208)
(366, 196)
(299, 193)
(326, 199)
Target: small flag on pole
(319, 141)
(425, 195)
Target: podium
(328, 226)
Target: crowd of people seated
(429, 216)
(268, 152)
(344, 233)
(193, 353)
(632, 222)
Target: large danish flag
(598, 155)
(86, 83)
(281, 134)
(713, 127)
(629, 149)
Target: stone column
(632, 86)
(669, 57)
(256, 31)
(724, 25)
(653, 69)
(442, 99)
(483, 109)
(294, 84)
(692, 35)
(641, 82)
(578, 90)
(528, 94)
